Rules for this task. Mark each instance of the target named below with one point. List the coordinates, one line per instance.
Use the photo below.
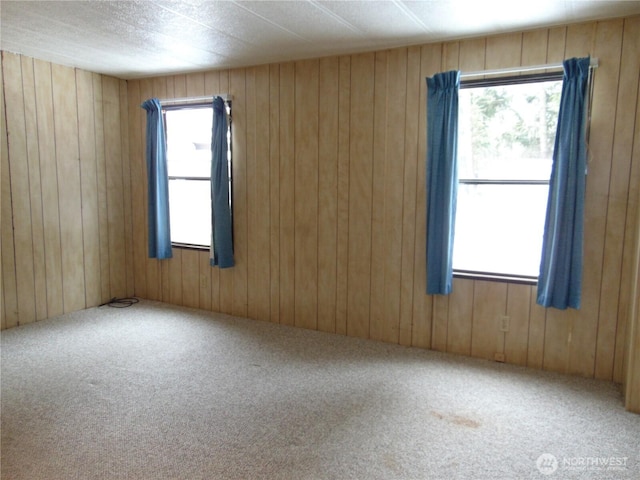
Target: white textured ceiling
(130, 39)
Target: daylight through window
(189, 167)
(506, 133)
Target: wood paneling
(65, 242)
(361, 200)
(287, 195)
(306, 194)
(328, 194)
(20, 188)
(333, 237)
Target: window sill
(496, 277)
(188, 246)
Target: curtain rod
(207, 98)
(500, 71)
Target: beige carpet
(161, 392)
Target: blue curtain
(221, 223)
(560, 280)
(442, 178)
(157, 182)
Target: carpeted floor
(161, 392)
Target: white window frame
(193, 106)
(504, 81)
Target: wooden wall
(329, 199)
(632, 352)
(329, 202)
(66, 204)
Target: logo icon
(547, 463)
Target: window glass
(189, 168)
(505, 145)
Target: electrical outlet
(504, 321)
(204, 281)
(498, 357)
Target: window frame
(191, 106)
(494, 82)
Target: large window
(506, 134)
(189, 167)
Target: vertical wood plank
(327, 193)
(49, 182)
(394, 193)
(472, 54)
(65, 121)
(306, 193)
(460, 317)
(204, 280)
(440, 322)
(378, 232)
(579, 40)
(287, 196)
(262, 195)
(344, 101)
(534, 47)
(274, 192)
(504, 51)
(9, 291)
(20, 191)
(35, 189)
(101, 189)
(582, 349)
(360, 201)
(518, 311)
(409, 195)
(175, 277)
(624, 140)
(115, 186)
(632, 374)
(536, 340)
(557, 337)
(190, 278)
(195, 84)
(127, 231)
(610, 34)
(88, 187)
(137, 139)
(556, 44)
(450, 56)
(3, 156)
(253, 230)
(489, 302)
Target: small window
(506, 134)
(189, 131)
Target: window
(506, 134)
(189, 169)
